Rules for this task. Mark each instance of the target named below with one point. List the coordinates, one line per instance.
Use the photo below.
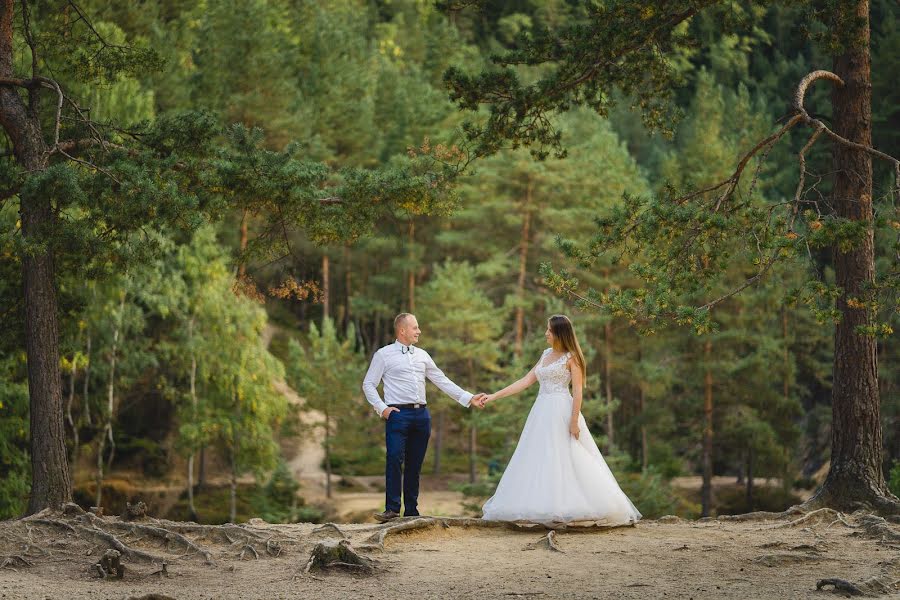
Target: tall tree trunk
(242, 267)
(438, 441)
(71, 400)
(706, 490)
(348, 293)
(327, 453)
(50, 482)
(786, 383)
(86, 409)
(326, 290)
(473, 428)
(107, 432)
(641, 402)
(750, 479)
(411, 274)
(523, 269)
(855, 475)
(193, 383)
(607, 381)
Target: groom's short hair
(398, 320)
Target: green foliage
(326, 373)
(894, 478)
(277, 500)
(14, 457)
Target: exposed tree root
(338, 553)
(547, 542)
(110, 565)
(840, 586)
(163, 534)
(822, 512)
(877, 528)
(251, 549)
(329, 529)
(10, 562)
(135, 511)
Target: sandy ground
(669, 558)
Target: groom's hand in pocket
(386, 414)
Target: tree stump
(329, 554)
(110, 565)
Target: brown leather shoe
(384, 517)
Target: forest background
(172, 364)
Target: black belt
(407, 406)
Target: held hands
(478, 400)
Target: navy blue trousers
(406, 435)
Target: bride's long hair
(562, 330)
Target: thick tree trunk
(855, 476)
(706, 490)
(523, 270)
(50, 483)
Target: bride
(557, 474)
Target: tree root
(548, 542)
(840, 586)
(338, 553)
(377, 539)
(118, 545)
(110, 565)
(10, 562)
(330, 529)
(808, 516)
(135, 511)
(252, 551)
(158, 532)
(875, 527)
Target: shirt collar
(404, 348)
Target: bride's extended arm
(514, 388)
(577, 388)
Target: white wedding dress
(552, 477)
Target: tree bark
(750, 479)
(411, 274)
(607, 381)
(327, 453)
(107, 432)
(326, 290)
(438, 441)
(706, 490)
(73, 375)
(855, 476)
(50, 483)
(242, 267)
(523, 270)
(193, 384)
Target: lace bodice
(554, 378)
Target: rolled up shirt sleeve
(437, 377)
(371, 381)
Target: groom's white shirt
(404, 376)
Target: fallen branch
(840, 585)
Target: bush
(277, 501)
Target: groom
(403, 367)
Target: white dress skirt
(552, 478)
